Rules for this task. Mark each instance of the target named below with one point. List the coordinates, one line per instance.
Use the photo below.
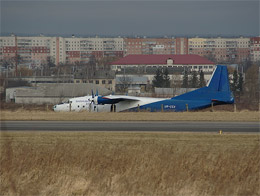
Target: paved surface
(176, 126)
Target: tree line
(192, 80)
(195, 79)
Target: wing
(113, 99)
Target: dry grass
(101, 163)
(131, 116)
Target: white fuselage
(74, 104)
(86, 104)
(81, 104)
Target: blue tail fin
(219, 80)
(217, 89)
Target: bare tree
(123, 83)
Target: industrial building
(194, 62)
(51, 93)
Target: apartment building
(197, 46)
(221, 49)
(28, 51)
(181, 46)
(82, 49)
(74, 49)
(255, 48)
(149, 46)
(38, 50)
(35, 51)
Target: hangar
(51, 93)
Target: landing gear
(113, 108)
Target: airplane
(74, 104)
(77, 104)
(216, 92)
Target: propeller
(94, 99)
(91, 100)
(92, 93)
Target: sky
(131, 18)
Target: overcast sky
(150, 18)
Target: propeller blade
(92, 93)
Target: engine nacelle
(104, 100)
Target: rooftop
(155, 59)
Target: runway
(152, 126)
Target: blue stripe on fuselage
(171, 105)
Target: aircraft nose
(54, 108)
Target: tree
(251, 86)
(240, 82)
(161, 78)
(123, 83)
(194, 80)
(201, 79)
(50, 62)
(24, 71)
(105, 62)
(158, 78)
(185, 81)
(210, 56)
(234, 84)
(166, 78)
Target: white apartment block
(222, 49)
(81, 49)
(35, 51)
(31, 51)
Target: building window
(109, 81)
(97, 81)
(103, 81)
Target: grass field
(115, 163)
(130, 116)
